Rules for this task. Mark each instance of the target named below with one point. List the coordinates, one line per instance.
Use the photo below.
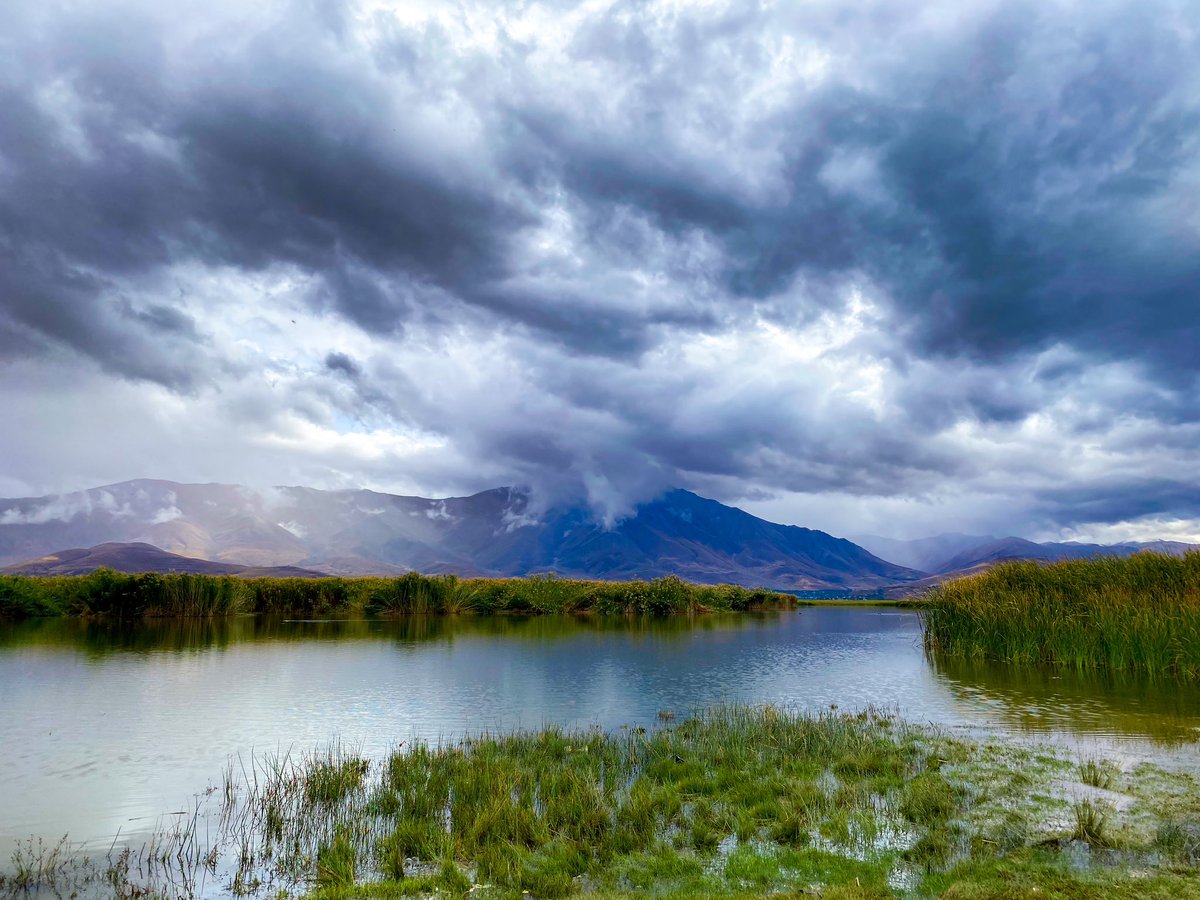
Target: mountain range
(152, 525)
(950, 554)
(493, 533)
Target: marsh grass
(1135, 614)
(1092, 818)
(546, 812)
(1097, 773)
(738, 802)
(1180, 841)
(108, 593)
(37, 864)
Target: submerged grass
(1134, 614)
(740, 802)
(116, 594)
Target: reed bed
(1140, 614)
(108, 593)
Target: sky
(881, 267)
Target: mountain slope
(138, 557)
(924, 554)
(1013, 548)
(495, 532)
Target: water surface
(106, 727)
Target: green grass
(739, 802)
(551, 811)
(1092, 819)
(1032, 873)
(114, 594)
(1137, 614)
(1097, 773)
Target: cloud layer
(889, 268)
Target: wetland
(127, 733)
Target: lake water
(105, 728)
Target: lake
(107, 727)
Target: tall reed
(1137, 614)
(108, 593)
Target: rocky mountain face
(496, 532)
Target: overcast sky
(887, 267)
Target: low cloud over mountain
(496, 532)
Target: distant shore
(106, 593)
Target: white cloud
(166, 514)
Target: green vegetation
(738, 803)
(108, 593)
(1096, 773)
(1137, 614)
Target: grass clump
(928, 799)
(1136, 614)
(333, 778)
(1180, 841)
(337, 862)
(1097, 773)
(1091, 822)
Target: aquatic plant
(1097, 773)
(1135, 614)
(537, 811)
(1091, 821)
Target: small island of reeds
(1139, 614)
(121, 595)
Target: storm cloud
(888, 267)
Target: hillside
(950, 555)
(141, 557)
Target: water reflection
(100, 638)
(1048, 700)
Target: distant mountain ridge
(923, 554)
(150, 525)
(953, 553)
(495, 532)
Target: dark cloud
(343, 364)
(1145, 496)
(888, 254)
